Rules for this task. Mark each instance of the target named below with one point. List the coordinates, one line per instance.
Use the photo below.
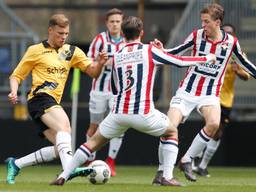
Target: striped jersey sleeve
(187, 45)
(161, 57)
(242, 60)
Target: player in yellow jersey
(226, 101)
(50, 62)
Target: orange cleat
(111, 164)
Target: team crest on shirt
(224, 46)
(64, 54)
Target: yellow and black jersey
(228, 87)
(50, 67)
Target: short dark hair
(58, 19)
(215, 10)
(131, 27)
(231, 26)
(113, 11)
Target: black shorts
(37, 107)
(225, 115)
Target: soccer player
(101, 98)
(226, 102)
(49, 62)
(132, 82)
(200, 88)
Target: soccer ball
(101, 172)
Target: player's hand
(109, 62)
(210, 58)
(102, 58)
(13, 98)
(157, 43)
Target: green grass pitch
(132, 179)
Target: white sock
(211, 148)
(169, 153)
(63, 143)
(42, 155)
(114, 146)
(160, 157)
(93, 155)
(198, 145)
(80, 157)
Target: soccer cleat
(12, 170)
(195, 163)
(187, 170)
(158, 178)
(81, 171)
(111, 164)
(202, 172)
(59, 181)
(171, 182)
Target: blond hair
(58, 19)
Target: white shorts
(154, 123)
(99, 105)
(186, 102)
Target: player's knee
(65, 127)
(171, 131)
(213, 126)
(211, 129)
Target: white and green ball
(101, 172)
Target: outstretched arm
(95, 68)
(160, 57)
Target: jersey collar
(46, 44)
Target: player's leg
(98, 104)
(114, 147)
(90, 132)
(36, 108)
(168, 149)
(213, 144)
(180, 108)
(211, 114)
(210, 150)
(108, 129)
(57, 120)
(43, 155)
(114, 144)
(157, 124)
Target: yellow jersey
(228, 87)
(50, 68)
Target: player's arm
(20, 73)
(95, 68)
(242, 60)
(185, 46)
(87, 65)
(242, 74)
(14, 85)
(160, 57)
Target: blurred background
(25, 22)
